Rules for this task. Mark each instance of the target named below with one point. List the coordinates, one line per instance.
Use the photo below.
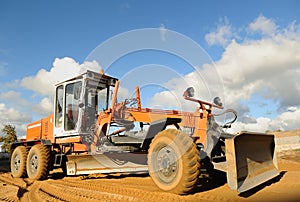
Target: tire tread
(43, 154)
(190, 158)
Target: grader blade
(251, 160)
(107, 163)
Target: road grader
(91, 132)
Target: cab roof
(92, 75)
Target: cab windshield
(96, 100)
(72, 101)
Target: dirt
(285, 187)
(117, 187)
(286, 133)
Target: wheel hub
(17, 162)
(167, 163)
(34, 163)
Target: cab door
(67, 108)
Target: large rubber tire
(173, 161)
(18, 162)
(38, 161)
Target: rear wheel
(173, 161)
(18, 162)
(38, 162)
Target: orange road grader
(90, 132)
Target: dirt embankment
(285, 187)
(141, 188)
(287, 141)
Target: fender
(156, 127)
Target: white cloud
(43, 82)
(268, 66)
(42, 85)
(123, 93)
(264, 25)
(15, 118)
(260, 125)
(13, 84)
(288, 120)
(45, 107)
(166, 99)
(172, 98)
(222, 35)
(292, 109)
(13, 97)
(12, 116)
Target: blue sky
(33, 34)
(50, 29)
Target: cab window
(72, 100)
(102, 99)
(59, 106)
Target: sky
(247, 52)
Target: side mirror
(218, 102)
(189, 92)
(81, 105)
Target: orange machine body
(41, 129)
(91, 132)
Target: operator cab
(79, 100)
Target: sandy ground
(285, 187)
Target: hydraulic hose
(228, 124)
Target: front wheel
(173, 161)
(18, 162)
(38, 162)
